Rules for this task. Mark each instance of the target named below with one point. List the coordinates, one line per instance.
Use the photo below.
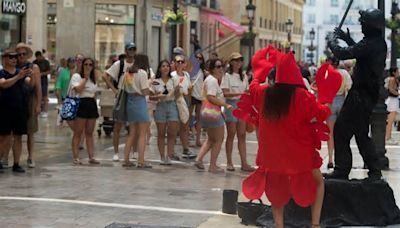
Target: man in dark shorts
(44, 67)
(34, 96)
(14, 87)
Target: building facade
(269, 24)
(324, 16)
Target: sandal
(230, 168)
(93, 162)
(144, 166)
(315, 226)
(128, 164)
(247, 168)
(217, 170)
(76, 161)
(199, 165)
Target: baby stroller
(107, 99)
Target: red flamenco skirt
(280, 187)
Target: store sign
(8, 7)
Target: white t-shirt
(234, 84)
(113, 71)
(184, 81)
(346, 82)
(159, 87)
(135, 82)
(211, 87)
(89, 89)
(198, 86)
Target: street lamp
(289, 25)
(393, 56)
(250, 8)
(312, 48)
(379, 114)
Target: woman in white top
(197, 96)
(392, 103)
(135, 83)
(336, 106)
(234, 84)
(84, 84)
(166, 114)
(183, 78)
(213, 94)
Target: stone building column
(75, 28)
(36, 24)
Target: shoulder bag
(70, 106)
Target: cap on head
(29, 52)
(71, 60)
(178, 51)
(235, 55)
(130, 45)
(373, 18)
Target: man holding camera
(34, 97)
(14, 88)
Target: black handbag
(249, 211)
(120, 112)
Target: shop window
(10, 30)
(115, 26)
(51, 30)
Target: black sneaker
(1, 168)
(18, 169)
(188, 154)
(335, 175)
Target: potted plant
(172, 18)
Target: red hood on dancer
(288, 147)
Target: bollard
(229, 201)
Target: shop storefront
(11, 16)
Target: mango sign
(8, 7)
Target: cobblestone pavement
(58, 194)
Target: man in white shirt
(114, 73)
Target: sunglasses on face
(88, 64)
(12, 56)
(238, 60)
(22, 54)
(218, 66)
(180, 61)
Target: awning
(231, 25)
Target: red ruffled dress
(288, 147)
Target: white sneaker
(44, 115)
(167, 161)
(162, 161)
(115, 157)
(391, 142)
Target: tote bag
(70, 106)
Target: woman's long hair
(230, 71)
(278, 99)
(141, 62)
(158, 73)
(92, 75)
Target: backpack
(121, 71)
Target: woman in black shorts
(84, 84)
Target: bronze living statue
(354, 118)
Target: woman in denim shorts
(135, 83)
(213, 94)
(166, 114)
(235, 83)
(337, 106)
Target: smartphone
(29, 65)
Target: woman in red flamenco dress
(290, 124)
